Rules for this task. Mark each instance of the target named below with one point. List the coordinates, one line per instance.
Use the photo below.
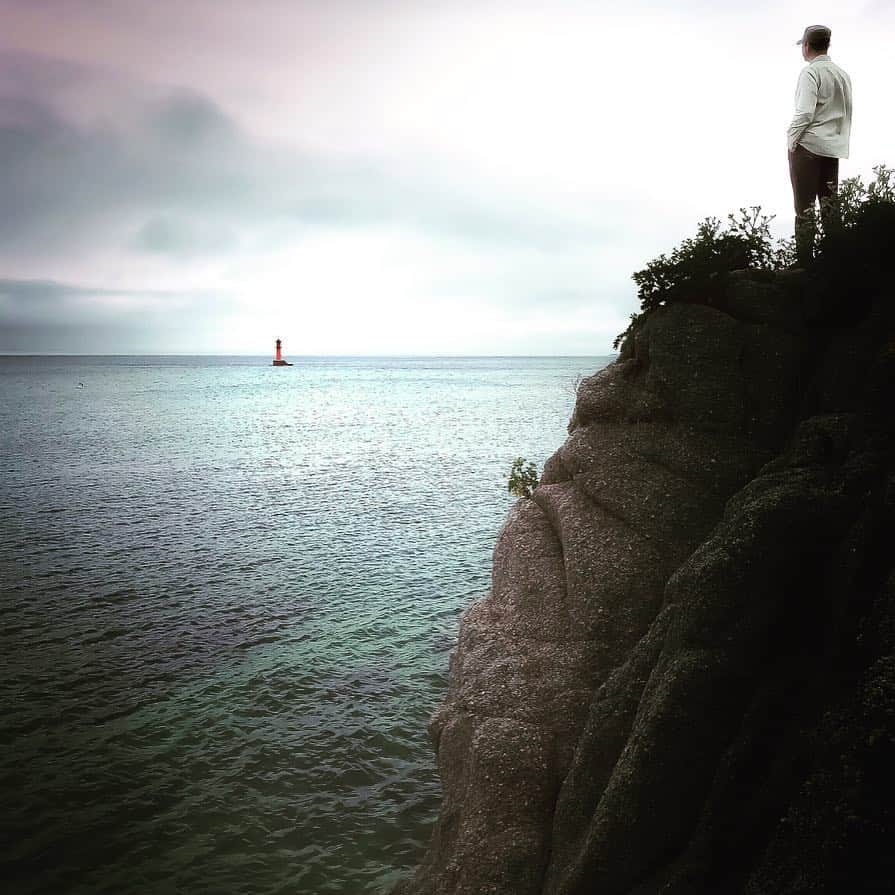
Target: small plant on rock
(523, 478)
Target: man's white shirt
(822, 120)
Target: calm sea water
(228, 597)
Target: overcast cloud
(395, 177)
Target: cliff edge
(683, 678)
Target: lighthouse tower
(278, 360)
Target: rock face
(683, 679)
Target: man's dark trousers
(813, 177)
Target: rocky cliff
(683, 679)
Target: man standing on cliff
(819, 134)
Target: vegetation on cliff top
(855, 224)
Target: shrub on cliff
(523, 478)
(856, 224)
(693, 270)
(855, 233)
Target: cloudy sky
(387, 176)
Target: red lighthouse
(278, 360)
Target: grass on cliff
(853, 232)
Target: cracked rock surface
(682, 677)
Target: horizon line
(296, 356)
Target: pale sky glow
(391, 177)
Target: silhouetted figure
(819, 134)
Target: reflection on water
(228, 596)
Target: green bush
(851, 206)
(853, 233)
(523, 478)
(856, 219)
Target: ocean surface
(228, 593)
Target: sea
(228, 595)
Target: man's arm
(806, 103)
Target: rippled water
(228, 596)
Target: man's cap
(820, 31)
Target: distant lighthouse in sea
(278, 360)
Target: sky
(379, 177)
